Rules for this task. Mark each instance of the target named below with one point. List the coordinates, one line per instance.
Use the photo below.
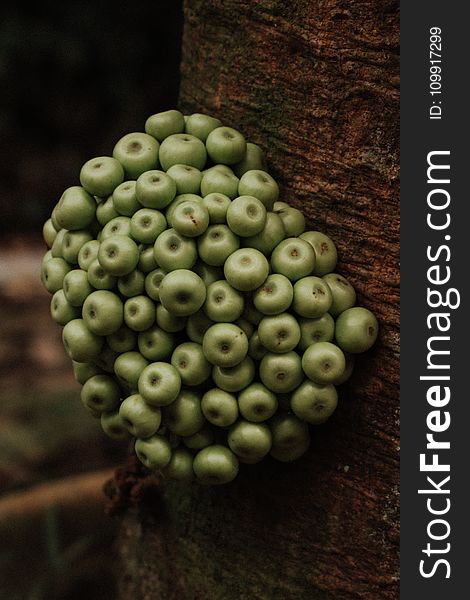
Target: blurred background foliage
(74, 78)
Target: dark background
(74, 78)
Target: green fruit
(261, 185)
(105, 212)
(312, 297)
(155, 344)
(137, 153)
(128, 367)
(102, 312)
(246, 216)
(356, 330)
(132, 284)
(281, 373)
(201, 125)
(61, 310)
(80, 343)
(223, 303)
(219, 407)
(225, 344)
(257, 403)
(122, 340)
(113, 425)
(187, 179)
(182, 292)
(140, 419)
(53, 273)
(190, 218)
(253, 159)
(154, 452)
(118, 255)
(139, 313)
(234, 379)
(100, 176)
(146, 225)
(208, 273)
(274, 296)
(203, 438)
(169, 322)
(342, 292)
(217, 205)
(216, 244)
(191, 364)
(292, 219)
(314, 403)
(117, 226)
(101, 393)
(251, 442)
(106, 359)
(76, 287)
(99, 278)
(87, 254)
(197, 325)
(216, 181)
(323, 362)
(75, 209)
(176, 202)
(294, 258)
(163, 124)
(246, 326)
(180, 466)
(255, 348)
(159, 384)
(184, 415)
(153, 281)
(321, 329)
(83, 371)
(174, 251)
(182, 149)
(226, 145)
(348, 371)
(325, 252)
(279, 333)
(147, 260)
(290, 437)
(246, 269)
(72, 243)
(125, 200)
(215, 465)
(49, 233)
(56, 248)
(155, 189)
(269, 237)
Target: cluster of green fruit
(200, 316)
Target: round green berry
(163, 124)
(140, 419)
(219, 407)
(356, 330)
(323, 362)
(215, 464)
(226, 145)
(154, 452)
(137, 152)
(155, 189)
(314, 403)
(101, 175)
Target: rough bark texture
(315, 83)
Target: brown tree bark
(315, 83)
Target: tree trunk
(315, 83)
